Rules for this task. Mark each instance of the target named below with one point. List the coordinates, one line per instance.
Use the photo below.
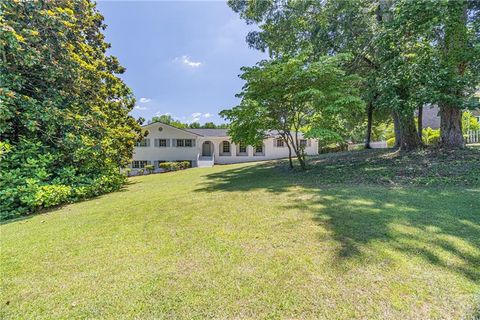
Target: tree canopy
(293, 95)
(409, 53)
(168, 119)
(65, 128)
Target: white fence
(473, 136)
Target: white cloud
(158, 114)
(196, 114)
(188, 62)
(140, 108)
(207, 115)
(145, 100)
(195, 119)
(162, 114)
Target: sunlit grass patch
(248, 241)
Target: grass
(348, 239)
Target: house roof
(209, 132)
(165, 124)
(212, 132)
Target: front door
(207, 149)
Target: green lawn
(347, 239)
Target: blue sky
(182, 58)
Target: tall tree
(289, 96)
(442, 41)
(64, 112)
(329, 27)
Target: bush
(391, 142)
(430, 136)
(334, 147)
(173, 166)
(149, 168)
(52, 195)
(184, 164)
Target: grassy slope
(257, 241)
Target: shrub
(149, 168)
(334, 147)
(140, 171)
(391, 142)
(172, 166)
(165, 166)
(430, 136)
(185, 164)
(52, 195)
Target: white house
(206, 147)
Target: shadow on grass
(440, 226)
(251, 177)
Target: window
(258, 150)
(143, 143)
(184, 143)
(162, 143)
(303, 143)
(139, 164)
(279, 143)
(225, 148)
(242, 149)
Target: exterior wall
(170, 153)
(270, 151)
(431, 117)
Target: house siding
(153, 153)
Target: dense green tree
(408, 52)
(292, 95)
(329, 27)
(209, 125)
(168, 119)
(194, 125)
(430, 53)
(64, 124)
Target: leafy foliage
(174, 166)
(408, 53)
(289, 95)
(64, 123)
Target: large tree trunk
(455, 47)
(368, 138)
(420, 123)
(396, 129)
(451, 127)
(407, 131)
